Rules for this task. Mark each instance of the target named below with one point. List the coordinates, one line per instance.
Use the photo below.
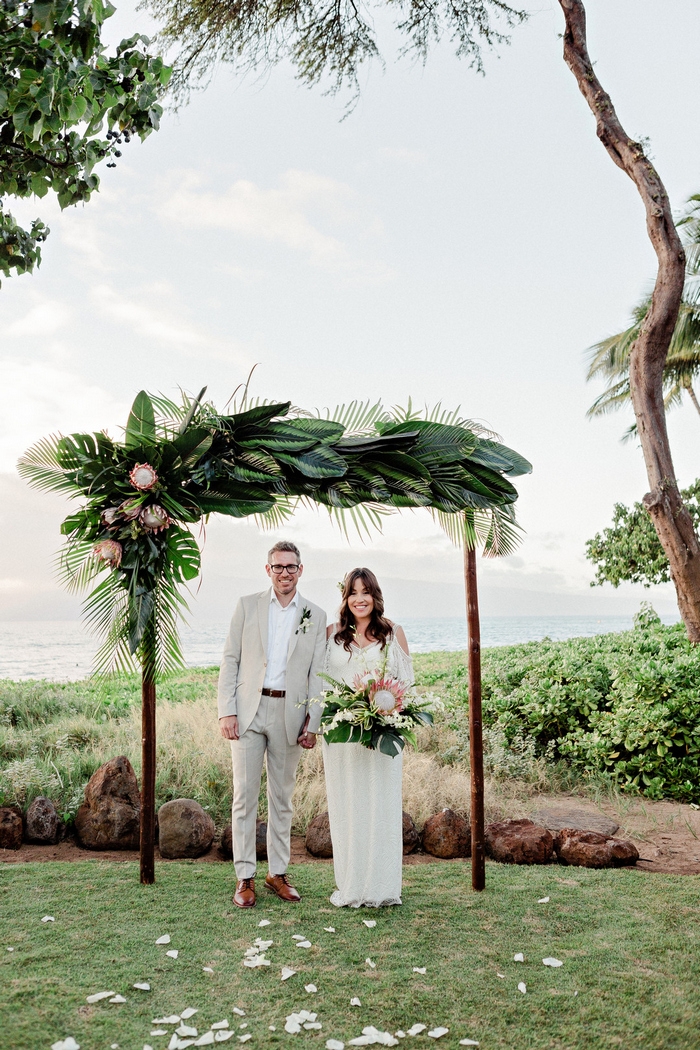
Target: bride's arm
(401, 638)
(403, 665)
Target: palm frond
(41, 467)
(278, 514)
(358, 417)
(77, 565)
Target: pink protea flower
(110, 552)
(387, 694)
(154, 518)
(110, 515)
(130, 509)
(143, 477)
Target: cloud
(292, 214)
(42, 319)
(45, 399)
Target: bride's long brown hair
(379, 627)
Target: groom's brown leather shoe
(280, 885)
(244, 897)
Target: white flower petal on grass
(220, 1024)
(543, 900)
(237, 1011)
(50, 918)
(121, 999)
(400, 1034)
(244, 1038)
(272, 1027)
(372, 965)
(146, 1046)
(334, 1044)
(310, 988)
(10, 949)
(99, 995)
(416, 1029)
(190, 1011)
(355, 1002)
(309, 1025)
(68, 1043)
(263, 945)
(362, 1040)
(207, 969)
(303, 944)
(264, 922)
(518, 957)
(158, 1031)
(468, 1042)
(522, 987)
(173, 1019)
(172, 954)
(205, 1040)
(419, 969)
(186, 1030)
(287, 972)
(174, 1042)
(501, 975)
(369, 923)
(298, 937)
(221, 1037)
(165, 939)
(437, 1033)
(292, 1027)
(329, 929)
(244, 1025)
(549, 961)
(143, 986)
(257, 960)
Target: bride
(364, 786)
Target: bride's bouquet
(378, 711)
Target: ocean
(62, 650)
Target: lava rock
(411, 838)
(518, 842)
(226, 843)
(109, 816)
(10, 827)
(447, 835)
(318, 836)
(184, 829)
(589, 849)
(42, 823)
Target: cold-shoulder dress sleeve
(400, 664)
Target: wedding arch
(179, 463)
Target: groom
(269, 673)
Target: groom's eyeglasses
(279, 569)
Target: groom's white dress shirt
(281, 621)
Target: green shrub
(623, 705)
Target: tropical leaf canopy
(178, 463)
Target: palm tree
(610, 357)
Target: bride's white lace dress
(364, 793)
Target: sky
(456, 239)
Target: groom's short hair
(284, 545)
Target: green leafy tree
(65, 106)
(610, 359)
(629, 549)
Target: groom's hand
(229, 727)
(305, 739)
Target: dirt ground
(666, 834)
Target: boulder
(184, 829)
(318, 836)
(411, 838)
(226, 843)
(574, 817)
(589, 849)
(518, 842)
(42, 823)
(10, 827)
(447, 835)
(109, 816)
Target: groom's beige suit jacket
(245, 657)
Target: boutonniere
(305, 621)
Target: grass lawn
(629, 943)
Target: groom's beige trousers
(266, 733)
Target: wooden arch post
(476, 744)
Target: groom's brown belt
(278, 693)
